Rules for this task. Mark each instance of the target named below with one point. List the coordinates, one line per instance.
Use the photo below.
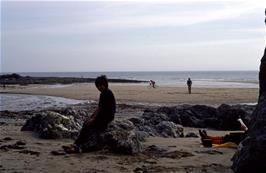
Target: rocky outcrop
(156, 124)
(119, 137)
(163, 121)
(251, 153)
(222, 118)
(227, 116)
(52, 125)
(124, 136)
(25, 80)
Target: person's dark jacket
(107, 109)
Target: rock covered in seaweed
(52, 125)
(119, 137)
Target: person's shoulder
(109, 92)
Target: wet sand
(134, 93)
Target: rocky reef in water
(251, 153)
(25, 80)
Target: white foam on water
(19, 102)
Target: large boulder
(227, 116)
(171, 112)
(119, 137)
(52, 125)
(251, 153)
(153, 118)
(169, 129)
(152, 123)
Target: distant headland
(15, 78)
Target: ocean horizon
(200, 78)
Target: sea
(246, 79)
(209, 79)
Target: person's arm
(92, 117)
(243, 126)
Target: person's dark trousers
(236, 137)
(89, 137)
(83, 135)
(189, 89)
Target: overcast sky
(47, 36)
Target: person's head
(101, 83)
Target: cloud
(134, 15)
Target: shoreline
(139, 94)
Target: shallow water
(19, 102)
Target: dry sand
(142, 94)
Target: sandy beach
(187, 154)
(134, 93)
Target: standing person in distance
(189, 85)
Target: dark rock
(119, 138)
(212, 152)
(159, 152)
(169, 129)
(7, 139)
(153, 118)
(13, 146)
(171, 112)
(251, 153)
(3, 123)
(142, 169)
(21, 143)
(52, 125)
(201, 116)
(152, 123)
(36, 153)
(191, 134)
(228, 115)
(25, 80)
(141, 135)
(137, 121)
